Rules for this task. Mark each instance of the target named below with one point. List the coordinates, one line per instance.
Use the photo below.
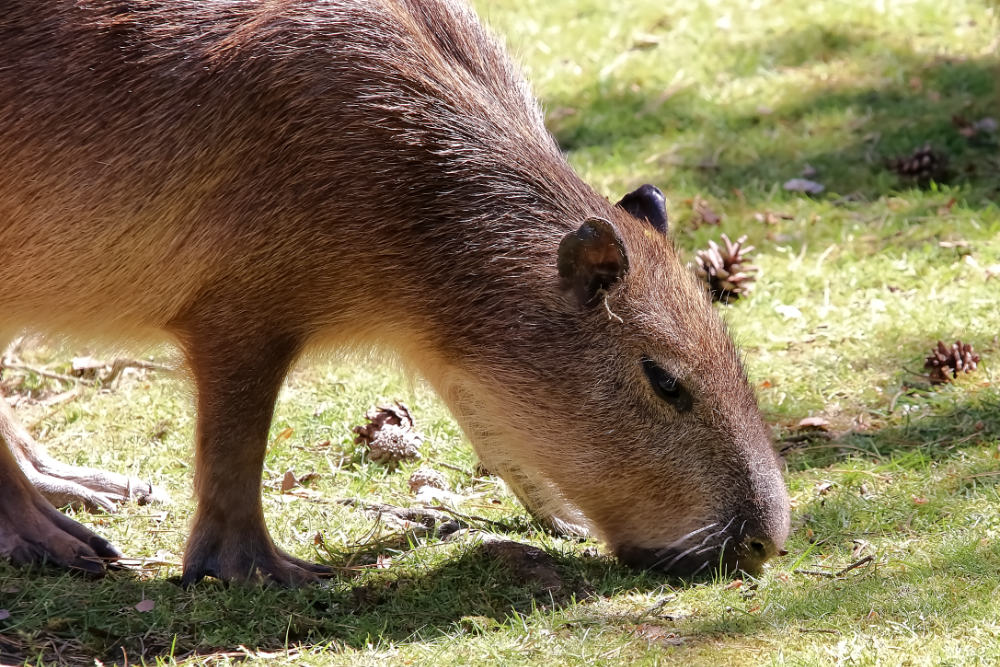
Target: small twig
(656, 607)
(823, 630)
(455, 468)
(119, 365)
(833, 575)
(468, 518)
(44, 373)
(982, 474)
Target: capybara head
(620, 405)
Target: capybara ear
(647, 203)
(591, 260)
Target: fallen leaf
(814, 422)
(703, 213)
(145, 605)
(823, 488)
(660, 635)
(383, 562)
(734, 584)
(4, 614)
(804, 185)
(946, 209)
(772, 218)
(288, 481)
(920, 500)
(285, 434)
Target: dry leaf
(145, 605)
(703, 214)
(734, 584)
(823, 488)
(383, 562)
(658, 634)
(814, 422)
(4, 614)
(946, 209)
(288, 481)
(772, 218)
(285, 434)
(920, 500)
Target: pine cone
(944, 360)
(389, 434)
(393, 444)
(922, 166)
(422, 477)
(725, 270)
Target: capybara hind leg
(237, 381)
(63, 484)
(33, 531)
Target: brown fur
(248, 178)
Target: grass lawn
(719, 103)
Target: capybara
(246, 179)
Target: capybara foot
(88, 488)
(244, 556)
(64, 484)
(34, 532)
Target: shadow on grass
(82, 620)
(931, 428)
(844, 128)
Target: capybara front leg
(31, 529)
(237, 383)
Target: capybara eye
(666, 386)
